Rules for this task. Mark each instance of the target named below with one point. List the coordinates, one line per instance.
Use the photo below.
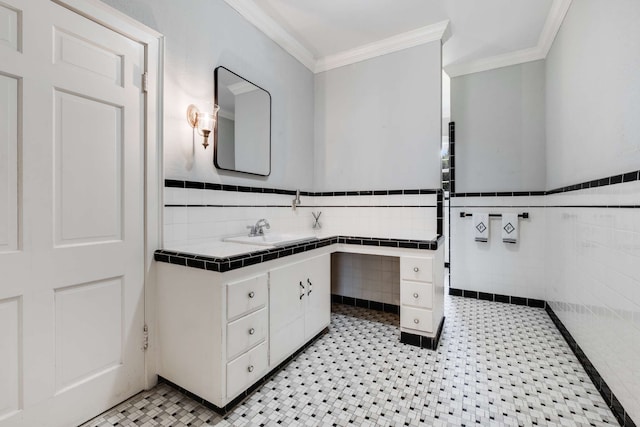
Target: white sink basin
(271, 239)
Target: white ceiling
(484, 33)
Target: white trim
(153, 41)
(104, 14)
(274, 31)
(552, 25)
(226, 114)
(392, 44)
(493, 62)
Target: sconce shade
(204, 121)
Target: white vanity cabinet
(219, 333)
(213, 329)
(300, 305)
(421, 294)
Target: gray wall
(593, 93)
(500, 129)
(199, 36)
(378, 122)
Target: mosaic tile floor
(497, 364)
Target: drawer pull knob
(416, 269)
(252, 331)
(250, 368)
(252, 294)
(415, 295)
(416, 321)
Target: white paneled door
(71, 215)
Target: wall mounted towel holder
(524, 215)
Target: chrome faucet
(258, 229)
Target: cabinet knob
(252, 331)
(252, 294)
(416, 321)
(415, 295)
(250, 368)
(416, 269)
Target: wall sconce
(204, 121)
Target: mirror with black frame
(243, 130)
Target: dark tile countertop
(223, 264)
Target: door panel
(93, 346)
(9, 27)
(8, 164)
(87, 213)
(71, 216)
(286, 311)
(318, 312)
(10, 355)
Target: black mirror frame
(215, 132)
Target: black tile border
(231, 405)
(224, 264)
(363, 303)
(485, 296)
(174, 183)
(300, 206)
(430, 343)
(452, 158)
(605, 391)
(602, 182)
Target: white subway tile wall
(368, 277)
(194, 216)
(497, 267)
(593, 280)
(579, 251)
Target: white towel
(510, 228)
(481, 226)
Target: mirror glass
(243, 130)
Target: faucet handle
(252, 230)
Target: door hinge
(145, 337)
(145, 82)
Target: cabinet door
(317, 276)
(287, 297)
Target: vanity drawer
(419, 319)
(246, 370)
(419, 294)
(246, 332)
(414, 268)
(246, 296)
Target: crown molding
(556, 15)
(430, 33)
(493, 62)
(274, 31)
(558, 11)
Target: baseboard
(422, 341)
(363, 303)
(485, 296)
(605, 391)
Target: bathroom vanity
(228, 319)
